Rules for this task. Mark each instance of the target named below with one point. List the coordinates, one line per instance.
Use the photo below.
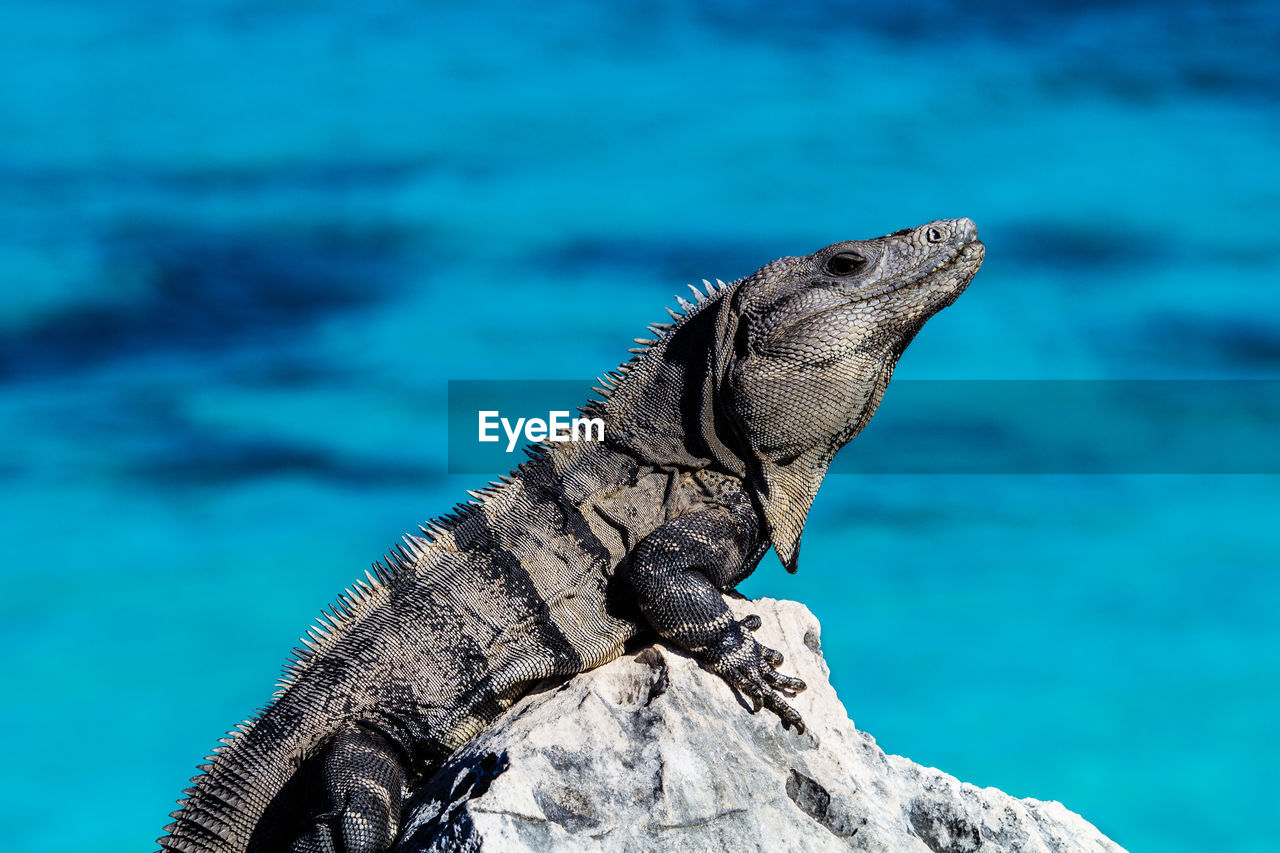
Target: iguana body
(717, 435)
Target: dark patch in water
(148, 434)
(1084, 46)
(315, 176)
(668, 258)
(207, 291)
(203, 458)
(1200, 341)
(284, 366)
(285, 370)
(161, 443)
(1048, 244)
(201, 178)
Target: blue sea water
(244, 246)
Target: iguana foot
(363, 781)
(680, 573)
(751, 669)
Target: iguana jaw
(961, 267)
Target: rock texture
(652, 752)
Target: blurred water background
(243, 247)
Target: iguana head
(769, 376)
(815, 343)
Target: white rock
(653, 752)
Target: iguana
(718, 433)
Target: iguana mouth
(970, 257)
(971, 254)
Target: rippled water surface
(244, 246)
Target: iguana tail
(245, 798)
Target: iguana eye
(846, 263)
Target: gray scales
(718, 433)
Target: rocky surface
(652, 752)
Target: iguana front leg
(678, 573)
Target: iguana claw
(749, 667)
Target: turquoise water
(244, 247)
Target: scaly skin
(717, 436)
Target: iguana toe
(749, 667)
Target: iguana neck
(668, 409)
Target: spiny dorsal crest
(351, 602)
(608, 383)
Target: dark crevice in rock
(567, 808)
(441, 821)
(806, 793)
(702, 821)
(659, 678)
(941, 831)
(815, 800)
